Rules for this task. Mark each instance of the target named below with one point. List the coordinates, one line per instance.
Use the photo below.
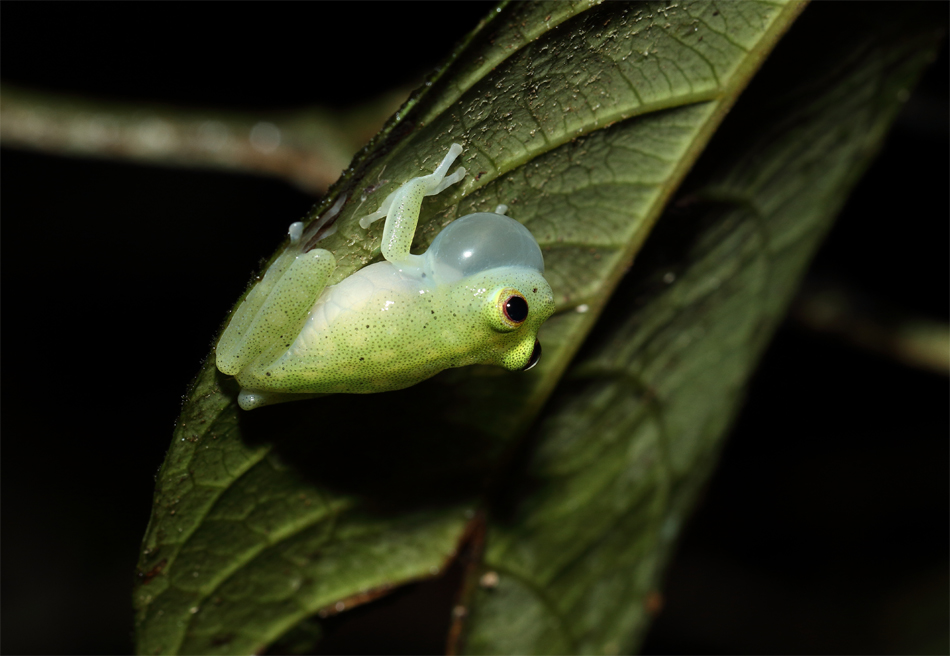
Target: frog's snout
(535, 355)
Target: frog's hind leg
(279, 315)
(241, 320)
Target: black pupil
(516, 309)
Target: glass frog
(476, 296)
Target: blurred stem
(913, 341)
(308, 147)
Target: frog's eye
(513, 308)
(516, 309)
(535, 356)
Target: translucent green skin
(392, 324)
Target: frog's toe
(368, 220)
(448, 181)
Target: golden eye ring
(513, 307)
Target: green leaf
(574, 556)
(584, 121)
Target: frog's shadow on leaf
(388, 448)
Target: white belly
(368, 294)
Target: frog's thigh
(284, 310)
(251, 305)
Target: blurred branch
(914, 341)
(309, 147)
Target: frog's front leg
(272, 313)
(401, 209)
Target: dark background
(824, 530)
